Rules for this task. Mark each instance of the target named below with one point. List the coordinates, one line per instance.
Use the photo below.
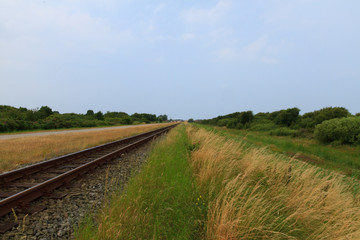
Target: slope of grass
(18, 151)
(161, 202)
(345, 159)
(254, 194)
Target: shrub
(340, 130)
(126, 120)
(246, 117)
(11, 124)
(285, 117)
(311, 119)
(3, 126)
(284, 132)
(223, 122)
(99, 115)
(263, 125)
(232, 123)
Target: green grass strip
(158, 203)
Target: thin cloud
(159, 8)
(188, 36)
(208, 15)
(227, 54)
(255, 48)
(259, 50)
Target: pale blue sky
(196, 59)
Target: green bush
(232, 123)
(340, 130)
(285, 117)
(311, 119)
(126, 120)
(223, 122)
(284, 131)
(246, 117)
(263, 125)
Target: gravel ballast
(84, 196)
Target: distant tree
(44, 112)
(30, 116)
(285, 117)
(90, 113)
(191, 120)
(162, 118)
(232, 123)
(311, 119)
(126, 120)
(15, 114)
(144, 117)
(246, 117)
(99, 115)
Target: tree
(311, 119)
(144, 117)
(44, 112)
(191, 120)
(285, 117)
(90, 113)
(126, 120)
(162, 118)
(99, 115)
(246, 117)
(115, 114)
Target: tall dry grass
(14, 152)
(254, 194)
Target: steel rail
(32, 193)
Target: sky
(187, 59)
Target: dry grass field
(14, 152)
(254, 194)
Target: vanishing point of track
(20, 187)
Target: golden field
(14, 152)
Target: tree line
(329, 125)
(18, 119)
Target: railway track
(20, 187)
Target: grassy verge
(254, 194)
(18, 151)
(161, 202)
(345, 159)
